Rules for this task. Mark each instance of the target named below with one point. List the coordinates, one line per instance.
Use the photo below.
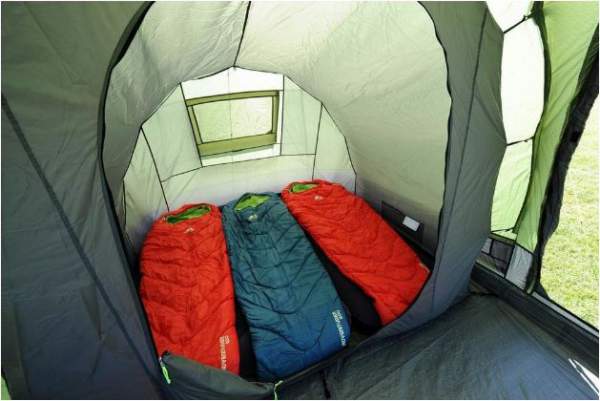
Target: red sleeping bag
(360, 243)
(187, 288)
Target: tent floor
(482, 348)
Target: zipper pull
(275, 397)
(165, 372)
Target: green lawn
(570, 264)
(5, 395)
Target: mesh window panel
(496, 256)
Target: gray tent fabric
(507, 357)
(207, 35)
(475, 150)
(190, 380)
(63, 268)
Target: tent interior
(294, 139)
(448, 119)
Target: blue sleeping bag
(295, 315)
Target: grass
(570, 264)
(5, 395)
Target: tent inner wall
(393, 121)
(167, 170)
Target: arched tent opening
(210, 101)
(454, 122)
(215, 138)
(385, 122)
(231, 109)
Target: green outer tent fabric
(522, 73)
(511, 186)
(568, 28)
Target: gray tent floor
(482, 348)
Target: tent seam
(67, 224)
(191, 125)
(282, 114)
(541, 23)
(448, 125)
(235, 162)
(155, 169)
(118, 231)
(519, 141)
(525, 18)
(344, 136)
(124, 207)
(349, 158)
(237, 54)
(317, 141)
(468, 130)
(125, 175)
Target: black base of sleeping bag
(364, 316)
(247, 358)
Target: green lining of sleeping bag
(250, 201)
(191, 213)
(301, 187)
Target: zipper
(291, 379)
(164, 370)
(167, 377)
(275, 396)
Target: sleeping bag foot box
(187, 289)
(360, 243)
(293, 311)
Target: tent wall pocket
(409, 227)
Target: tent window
(234, 122)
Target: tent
(456, 121)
